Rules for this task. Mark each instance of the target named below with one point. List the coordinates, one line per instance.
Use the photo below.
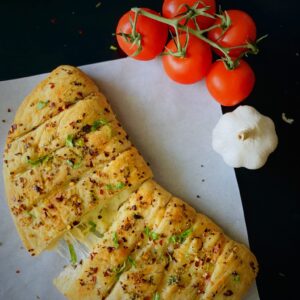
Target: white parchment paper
(170, 124)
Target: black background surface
(37, 36)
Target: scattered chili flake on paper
(8, 110)
(286, 119)
(18, 271)
(3, 121)
(53, 21)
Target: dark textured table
(36, 36)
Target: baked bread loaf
(159, 245)
(71, 172)
(66, 154)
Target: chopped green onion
(74, 166)
(173, 279)
(93, 226)
(119, 270)
(113, 48)
(115, 240)
(73, 256)
(154, 235)
(41, 104)
(79, 142)
(236, 277)
(117, 186)
(38, 161)
(98, 123)
(151, 234)
(147, 231)
(131, 261)
(69, 141)
(30, 214)
(180, 238)
(156, 296)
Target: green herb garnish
(30, 214)
(79, 142)
(151, 234)
(180, 238)
(41, 104)
(73, 256)
(131, 261)
(69, 141)
(156, 296)
(98, 123)
(113, 48)
(38, 161)
(173, 279)
(236, 277)
(74, 166)
(117, 186)
(93, 229)
(119, 270)
(115, 240)
(93, 226)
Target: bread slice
(159, 245)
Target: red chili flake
(101, 192)
(51, 206)
(228, 293)
(8, 110)
(53, 21)
(18, 271)
(52, 85)
(80, 94)
(110, 249)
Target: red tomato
(230, 87)
(171, 8)
(191, 68)
(154, 35)
(241, 31)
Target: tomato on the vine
(193, 66)
(172, 8)
(230, 87)
(241, 31)
(153, 35)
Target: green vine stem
(192, 13)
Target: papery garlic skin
(245, 138)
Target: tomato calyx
(134, 38)
(192, 12)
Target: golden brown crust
(170, 250)
(65, 86)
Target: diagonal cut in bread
(70, 170)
